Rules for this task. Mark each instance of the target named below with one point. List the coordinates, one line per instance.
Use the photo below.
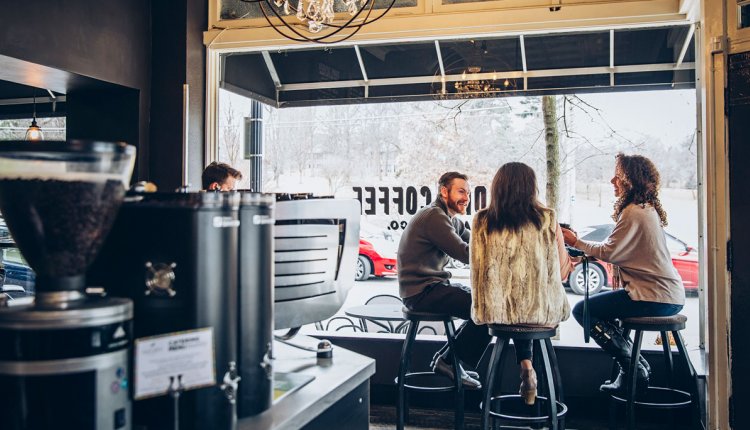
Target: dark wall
(739, 180)
(179, 58)
(85, 46)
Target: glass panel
(401, 60)
(567, 50)
(15, 129)
(743, 16)
(650, 46)
(389, 156)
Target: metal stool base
(496, 404)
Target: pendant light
(34, 132)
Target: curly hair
(640, 182)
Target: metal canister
(255, 314)
(66, 368)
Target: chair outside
(382, 326)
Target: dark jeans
(617, 304)
(454, 300)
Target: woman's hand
(569, 236)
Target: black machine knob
(230, 382)
(159, 279)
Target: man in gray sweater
(432, 236)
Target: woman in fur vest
(645, 283)
(518, 261)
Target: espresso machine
(175, 255)
(64, 358)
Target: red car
(684, 258)
(377, 253)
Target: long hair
(514, 200)
(640, 181)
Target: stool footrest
(660, 398)
(519, 408)
(427, 381)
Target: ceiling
(592, 61)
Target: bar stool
(550, 378)
(657, 397)
(427, 381)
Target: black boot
(611, 340)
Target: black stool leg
(669, 367)
(552, 401)
(450, 332)
(631, 387)
(403, 368)
(695, 416)
(557, 379)
(489, 384)
(667, 357)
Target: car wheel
(364, 269)
(597, 279)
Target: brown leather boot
(528, 386)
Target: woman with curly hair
(645, 283)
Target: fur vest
(515, 276)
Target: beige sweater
(516, 277)
(638, 247)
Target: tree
(229, 140)
(552, 151)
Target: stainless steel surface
(57, 299)
(185, 133)
(91, 313)
(316, 243)
(68, 365)
(334, 379)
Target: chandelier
(316, 19)
(470, 83)
(473, 84)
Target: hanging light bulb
(34, 132)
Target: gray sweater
(638, 246)
(429, 239)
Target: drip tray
(287, 383)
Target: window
(389, 156)
(15, 129)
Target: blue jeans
(617, 304)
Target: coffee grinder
(64, 358)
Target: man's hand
(569, 236)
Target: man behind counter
(220, 177)
(432, 236)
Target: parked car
(14, 272)
(377, 253)
(684, 259)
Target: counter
(337, 397)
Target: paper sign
(184, 357)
